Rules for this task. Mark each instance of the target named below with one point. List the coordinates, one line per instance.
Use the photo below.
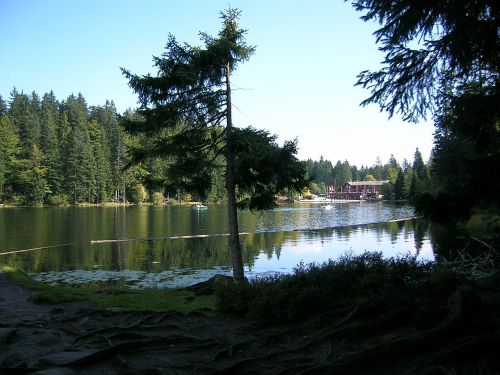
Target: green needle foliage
(442, 58)
(185, 117)
(264, 168)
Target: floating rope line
(93, 242)
(35, 248)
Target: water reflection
(277, 240)
(179, 262)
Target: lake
(175, 246)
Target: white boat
(328, 206)
(200, 207)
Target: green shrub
(314, 289)
(158, 198)
(59, 200)
(139, 194)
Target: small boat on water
(200, 207)
(327, 206)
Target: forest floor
(458, 335)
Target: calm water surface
(149, 252)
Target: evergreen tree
(408, 172)
(34, 130)
(9, 142)
(64, 135)
(24, 119)
(32, 179)
(217, 191)
(257, 160)
(346, 172)
(102, 157)
(378, 169)
(442, 59)
(415, 185)
(393, 163)
(320, 171)
(391, 170)
(337, 174)
(420, 178)
(49, 142)
(355, 173)
(108, 119)
(429, 47)
(80, 165)
(192, 92)
(362, 173)
(3, 106)
(419, 166)
(399, 186)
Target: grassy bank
(179, 300)
(310, 291)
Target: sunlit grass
(179, 300)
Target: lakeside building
(357, 190)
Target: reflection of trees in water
(420, 231)
(394, 229)
(316, 234)
(33, 227)
(212, 251)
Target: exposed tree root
(209, 286)
(131, 346)
(431, 335)
(334, 363)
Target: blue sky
(299, 83)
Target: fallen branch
(483, 243)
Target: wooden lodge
(357, 190)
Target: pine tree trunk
(234, 240)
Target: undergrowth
(179, 300)
(317, 288)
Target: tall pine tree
(49, 142)
(80, 168)
(9, 144)
(187, 111)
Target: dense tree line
(406, 179)
(60, 152)
(65, 152)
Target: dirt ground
(75, 338)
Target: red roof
(368, 183)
